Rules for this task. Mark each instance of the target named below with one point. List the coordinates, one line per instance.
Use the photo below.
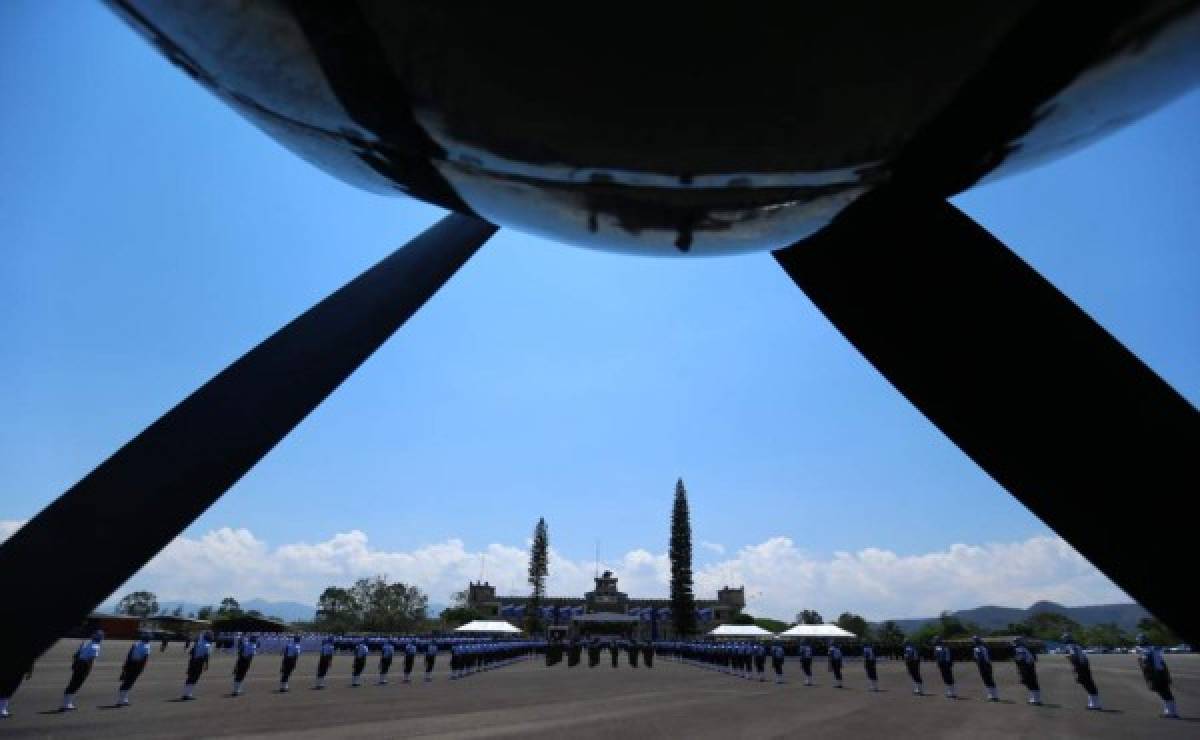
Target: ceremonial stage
(528, 699)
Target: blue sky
(149, 236)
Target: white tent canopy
(817, 630)
(483, 625)
(740, 630)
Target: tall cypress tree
(683, 603)
(539, 566)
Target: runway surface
(530, 700)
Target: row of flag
(556, 613)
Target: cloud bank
(780, 578)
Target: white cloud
(7, 527)
(779, 577)
(714, 547)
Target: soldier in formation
(945, 663)
(291, 655)
(869, 665)
(912, 662)
(1026, 662)
(835, 664)
(1158, 678)
(247, 648)
(81, 666)
(760, 661)
(387, 652)
(806, 658)
(410, 657)
(983, 659)
(361, 648)
(198, 657)
(777, 661)
(431, 652)
(328, 647)
(1083, 670)
(135, 663)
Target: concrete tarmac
(671, 700)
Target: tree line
(1047, 626)
(144, 604)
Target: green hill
(1125, 616)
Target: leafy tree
(539, 565)
(1106, 635)
(229, 608)
(683, 602)
(809, 616)
(856, 624)
(1018, 628)
(924, 634)
(951, 626)
(1157, 632)
(337, 610)
(890, 637)
(253, 613)
(742, 618)
(388, 607)
(204, 612)
(138, 604)
(1051, 626)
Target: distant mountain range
(1125, 616)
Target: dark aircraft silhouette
(831, 133)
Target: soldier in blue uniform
(633, 649)
(760, 661)
(612, 652)
(593, 653)
(835, 664)
(806, 658)
(1026, 663)
(361, 648)
(81, 666)
(1158, 678)
(291, 655)
(1083, 670)
(983, 659)
(945, 663)
(912, 662)
(247, 648)
(328, 647)
(870, 667)
(386, 652)
(135, 663)
(777, 661)
(197, 663)
(431, 651)
(410, 657)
